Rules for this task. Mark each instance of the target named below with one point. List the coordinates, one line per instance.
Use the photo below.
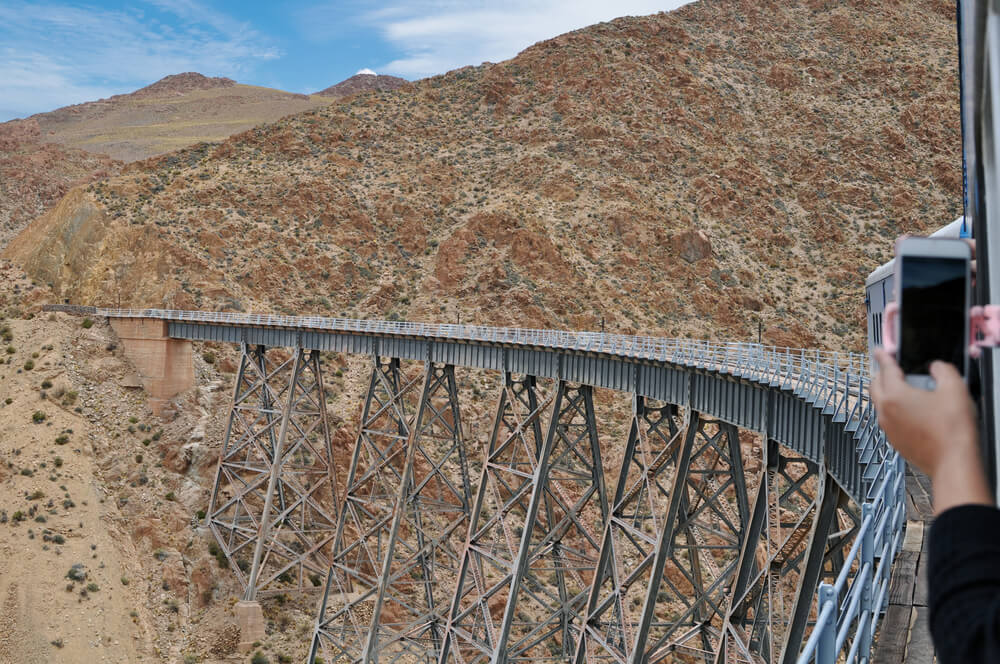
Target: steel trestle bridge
(754, 515)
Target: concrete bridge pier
(165, 365)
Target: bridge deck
(905, 637)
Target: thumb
(888, 369)
(946, 375)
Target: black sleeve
(964, 585)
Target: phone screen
(932, 313)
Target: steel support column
(406, 507)
(373, 481)
(498, 517)
(274, 500)
(781, 561)
(569, 475)
(628, 547)
(429, 516)
(697, 550)
(539, 515)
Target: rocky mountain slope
(44, 156)
(172, 113)
(35, 175)
(694, 173)
(363, 83)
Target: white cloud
(439, 35)
(59, 54)
(366, 71)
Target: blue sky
(54, 53)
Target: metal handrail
(863, 582)
(834, 382)
(623, 345)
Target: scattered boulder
(692, 245)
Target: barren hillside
(34, 175)
(42, 157)
(363, 83)
(172, 113)
(687, 173)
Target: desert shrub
(58, 462)
(38, 417)
(259, 658)
(62, 439)
(87, 323)
(29, 365)
(208, 356)
(219, 554)
(46, 384)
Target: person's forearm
(959, 479)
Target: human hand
(934, 430)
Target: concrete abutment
(165, 365)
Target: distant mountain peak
(363, 81)
(184, 82)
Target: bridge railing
(654, 348)
(835, 382)
(848, 613)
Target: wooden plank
(920, 583)
(893, 631)
(911, 509)
(904, 571)
(920, 649)
(925, 483)
(913, 538)
(921, 499)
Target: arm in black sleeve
(964, 585)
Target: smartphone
(933, 292)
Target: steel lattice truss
(789, 540)
(638, 511)
(406, 513)
(536, 561)
(535, 531)
(696, 550)
(273, 502)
